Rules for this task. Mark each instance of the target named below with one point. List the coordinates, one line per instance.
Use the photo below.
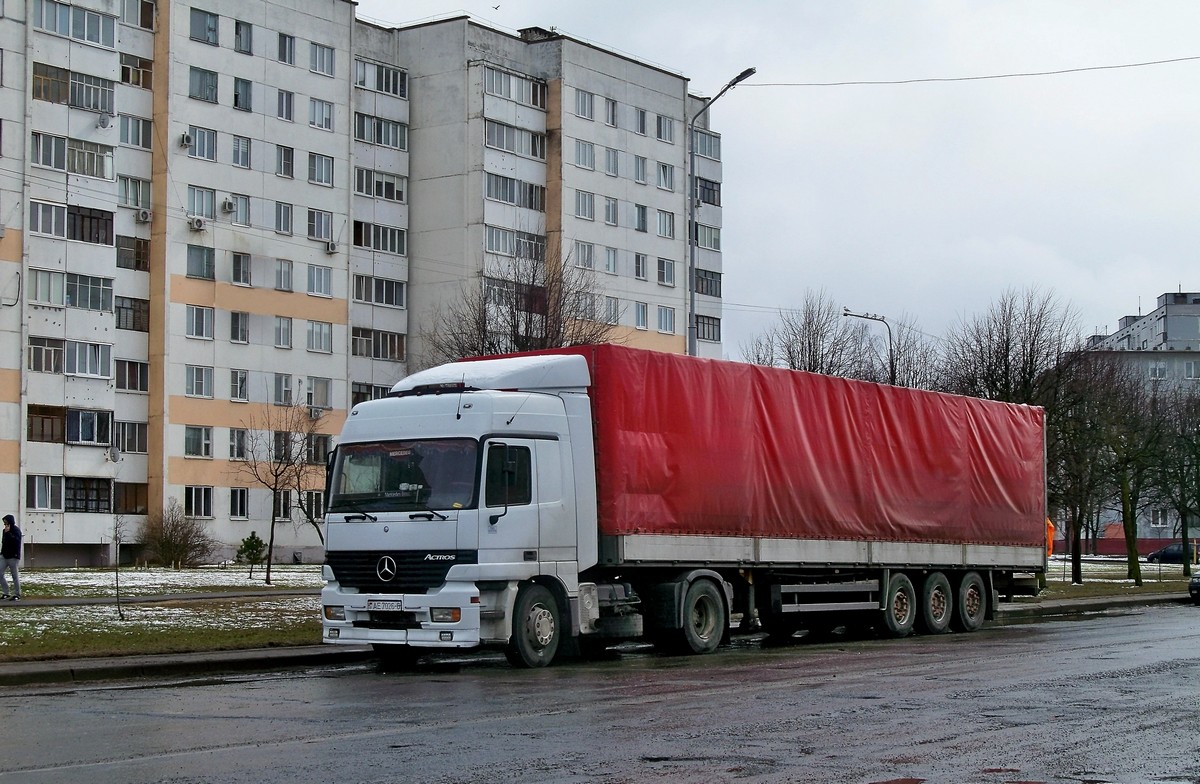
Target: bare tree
(173, 538)
(283, 450)
(1176, 481)
(815, 337)
(535, 300)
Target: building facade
(216, 215)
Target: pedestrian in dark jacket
(10, 558)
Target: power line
(1017, 75)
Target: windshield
(404, 476)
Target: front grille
(416, 572)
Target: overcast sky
(926, 200)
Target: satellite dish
(104, 121)
(114, 454)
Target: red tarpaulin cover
(706, 447)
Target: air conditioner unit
(331, 247)
(142, 216)
(185, 140)
(196, 223)
(314, 412)
(227, 205)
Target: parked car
(1172, 553)
(1194, 589)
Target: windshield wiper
(360, 514)
(428, 514)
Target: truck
(560, 502)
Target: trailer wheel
(536, 629)
(971, 607)
(900, 610)
(937, 604)
(704, 618)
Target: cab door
(509, 511)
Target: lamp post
(891, 346)
(692, 238)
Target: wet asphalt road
(1103, 699)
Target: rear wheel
(900, 608)
(937, 604)
(537, 631)
(971, 607)
(704, 621)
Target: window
(1160, 518)
(708, 328)
(133, 314)
(199, 322)
(641, 317)
(585, 205)
(74, 22)
(47, 424)
(46, 287)
(241, 152)
(517, 88)
(382, 238)
(198, 381)
(241, 269)
(516, 140)
(50, 151)
(204, 143)
(133, 376)
(639, 169)
(320, 114)
(197, 501)
(517, 192)
(666, 272)
(708, 191)
(509, 242)
(585, 154)
(205, 27)
(612, 310)
(320, 225)
(612, 161)
(283, 332)
(135, 131)
(240, 215)
(87, 359)
(640, 221)
(89, 427)
(87, 494)
(283, 161)
(508, 476)
(283, 275)
(320, 280)
(639, 266)
(239, 385)
(239, 326)
(610, 112)
(377, 344)
(137, 71)
(49, 219)
(610, 211)
(202, 201)
(243, 93)
(320, 393)
(132, 192)
(666, 224)
(283, 218)
(377, 130)
(584, 104)
(379, 291)
(285, 105)
(131, 437)
(706, 144)
(320, 336)
(43, 492)
(381, 78)
(239, 502)
(197, 441)
(51, 83)
(666, 129)
(237, 443)
(89, 292)
(380, 185)
(131, 498)
(639, 121)
(201, 262)
(585, 253)
(314, 501)
(287, 49)
(666, 176)
(610, 261)
(361, 393)
(243, 37)
(283, 389)
(708, 283)
(666, 319)
(282, 506)
(708, 237)
(320, 59)
(202, 84)
(139, 13)
(320, 169)
(133, 253)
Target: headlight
(445, 614)
(335, 613)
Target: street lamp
(692, 233)
(891, 345)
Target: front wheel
(537, 631)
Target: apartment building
(217, 212)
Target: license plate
(380, 605)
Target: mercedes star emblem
(386, 568)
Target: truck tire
(971, 607)
(704, 621)
(536, 631)
(900, 608)
(937, 604)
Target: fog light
(335, 613)
(334, 634)
(446, 636)
(445, 614)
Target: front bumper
(401, 619)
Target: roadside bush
(172, 538)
